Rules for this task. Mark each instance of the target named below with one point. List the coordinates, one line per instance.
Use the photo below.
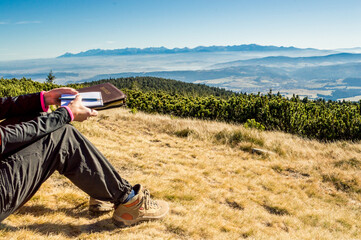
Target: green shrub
(251, 123)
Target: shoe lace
(149, 203)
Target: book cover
(109, 92)
(111, 95)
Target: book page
(90, 99)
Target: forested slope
(151, 84)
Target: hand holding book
(79, 111)
(110, 95)
(52, 97)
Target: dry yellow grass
(217, 188)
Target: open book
(112, 96)
(89, 99)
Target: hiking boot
(140, 208)
(98, 206)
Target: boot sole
(95, 209)
(127, 223)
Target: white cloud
(27, 22)
(110, 42)
(3, 23)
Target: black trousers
(71, 154)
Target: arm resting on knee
(16, 136)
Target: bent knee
(65, 131)
(68, 127)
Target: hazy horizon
(77, 69)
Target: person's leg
(69, 152)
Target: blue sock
(130, 196)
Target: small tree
(50, 78)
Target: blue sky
(49, 28)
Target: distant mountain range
(164, 50)
(277, 60)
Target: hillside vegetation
(169, 86)
(319, 119)
(216, 187)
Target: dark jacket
(16, 136)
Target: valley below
(311, 73)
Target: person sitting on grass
(35, 143)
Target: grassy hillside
(217, 188)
